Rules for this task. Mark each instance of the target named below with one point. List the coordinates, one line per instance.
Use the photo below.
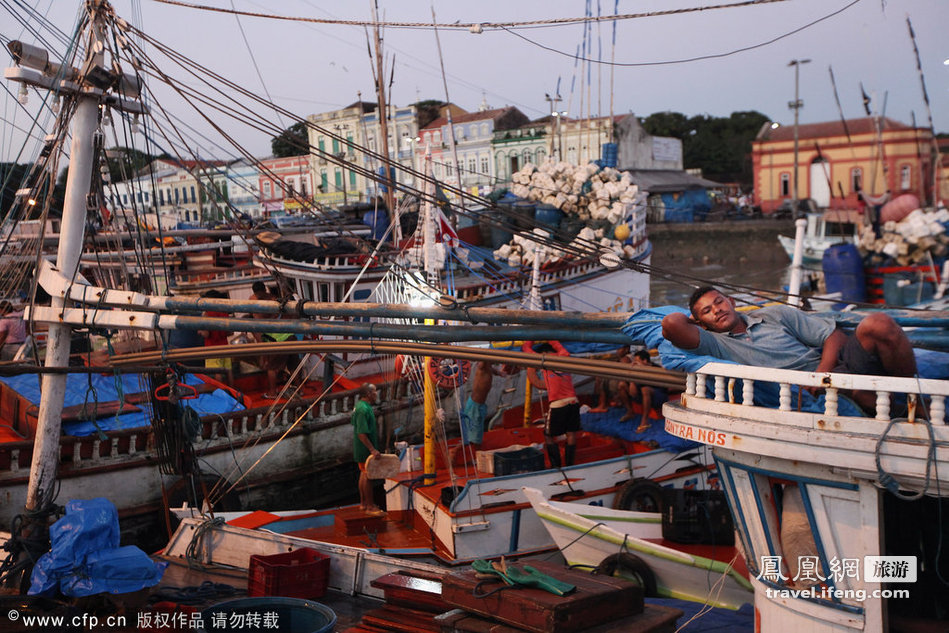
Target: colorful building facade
(879, 156)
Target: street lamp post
(796, 106)
(794, 284)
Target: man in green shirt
(365, 438)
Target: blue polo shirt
(777, 336)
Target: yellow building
(837, 159)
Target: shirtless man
(472, 419)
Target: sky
(309, 68)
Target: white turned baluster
(784, 397)
(133, 441)
(731, 391)
(114, 449)
(830, 401)
(700, 386)
(96, 445)
(76, 454)
(690, 385)
(937, 410)
(720, 388)
(747, 392)
(883, 405)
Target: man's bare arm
(680, 330)
(831, 350)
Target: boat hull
(587, 536)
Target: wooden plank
(597, 599)
(411, 591)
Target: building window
(193, 197)
(125, 198)
(436, 138)
(449, 170)
(266, 189)
(352, 180)
(472, 166)
(484, 165)
(856, 179)
(906, 177)
(176, 195)
(321, 143)
(324, 181)
(338, 176)
(303, 185)
(527, 156)
(785, 184)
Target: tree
(293, 141)
(125, 162)
(719, 146)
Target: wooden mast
(383, 114)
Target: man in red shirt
(563, 418)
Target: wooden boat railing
(718, 409)
(218, 432)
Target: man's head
(642, 357)
(258, 288)
(544, 348)
(368, 393)
(713, 310)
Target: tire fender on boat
(627, 564)
(642, 495)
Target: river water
(745, 254)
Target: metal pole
(796, 105)
(794, 285)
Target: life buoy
(640, 495)
(629, 566)
(449, 373)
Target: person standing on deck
(648, 395)
(215, 338)
(365, 441)
(12, 330)
(472, 419)
(563, 418)
(272, 364)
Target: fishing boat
(825, 229)
(253, 443)
(828, 506)
(462, 514)
(593, 537)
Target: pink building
(283, 183)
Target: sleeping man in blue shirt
(783, 337)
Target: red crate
(302, 573)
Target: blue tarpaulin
(85, 557)
(89, 389)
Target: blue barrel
(609, 153)
(289, 615)
(378, 221)
(548, 216)
(524, 214)
(843, 272)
